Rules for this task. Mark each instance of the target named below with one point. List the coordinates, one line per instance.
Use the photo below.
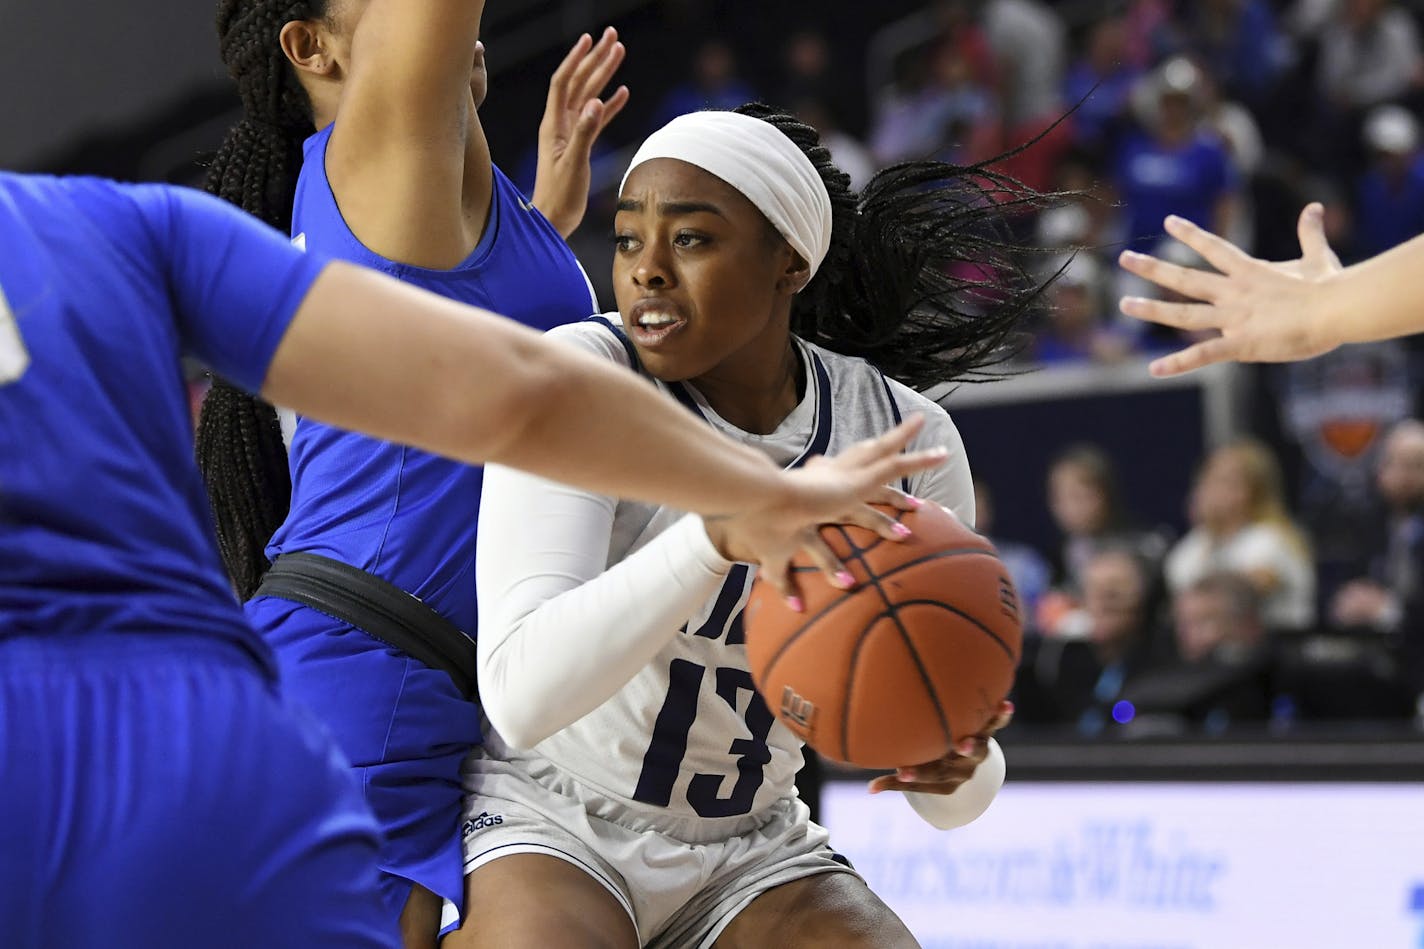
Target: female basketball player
(158, 789)
(634, 789)
(371, 603)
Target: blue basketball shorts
(404, 727)
(158, 791)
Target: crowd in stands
(1136, 630)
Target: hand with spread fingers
(574, 117)
(946, 775)
(827, 490)
(1263, 312)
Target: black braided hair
(922, 278)
(239, 440)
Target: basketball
(896, 671)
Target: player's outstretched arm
(1263, 312)
(408, 159)
(477, 387)
(1279, 312)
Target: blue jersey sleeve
(235, 283)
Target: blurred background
(1220, 717)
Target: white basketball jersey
(689, 735)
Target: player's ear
(308, 47)
(796, 274)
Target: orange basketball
(896, 671)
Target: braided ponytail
(239, 441)
(921, 278)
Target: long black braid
(239, 440)
(922, 277)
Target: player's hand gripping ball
(901, 669)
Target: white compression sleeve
(559, 634)
(969, 800)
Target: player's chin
(479, 85)
(668, 366)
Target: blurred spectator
(1218, 618)
(1099, 84)
(1074, 328)
(1222, 671)
(1174, 166)
(946, 114)
(1030, 47)
(1086, 218)
(847, 152)
(1307, 19)
(1234, 124)
(1240, 525)
(714, 85)
(1236, 41)
(1148, 22)
(1083, 500)
(1369, 54)
(1389, 200)
(962, 29)
(810, 75)
(1027, 568)
(1079, 681)
(1377, 601)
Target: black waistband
(378, 608)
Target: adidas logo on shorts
(485, 819)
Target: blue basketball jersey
(104, 523)
(405, 515)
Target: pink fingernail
(845, 578)
(915, 502)
(905, 774)
(901, 530)
(966, 747)
(796, 605)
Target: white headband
(759, 161)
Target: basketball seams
(866, 627)
(836, 603)
(893, 615)
(845, 717)
(998, 640)
(937, 555)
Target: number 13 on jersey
(663, 762)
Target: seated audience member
(1083, 500)
(1099, 83)
(1240, 525)
(1377, 601)
(1389, 194)
(1175, 165)
(1079, 682)
(1221, 673)
(942, 111)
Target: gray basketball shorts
(680, 888)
